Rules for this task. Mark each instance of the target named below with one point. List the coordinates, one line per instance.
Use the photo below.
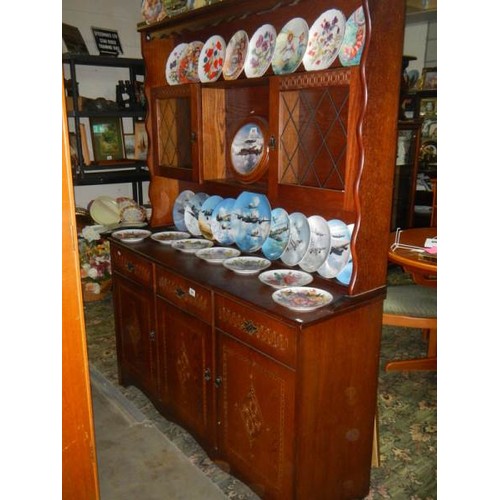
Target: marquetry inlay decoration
(251, 415)
(168, 286)
(137, 269)
(183, 367)
(250, 327)
(341, 76)
(133, 330)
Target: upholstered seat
(413, 306)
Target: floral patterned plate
(246, 265)
(281, 278)
(217, 255)
(211, 59)
(131, 235)
(354, 39)
(291, 45)
(325, 39)
(191, 245)
(188, 63)
(236, 53)
(299, 298)
(172, 66)
(260, 51)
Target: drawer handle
(180, 292)
(218, 381)
(130, 267)
(207, 375)
(249, 327)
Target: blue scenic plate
(346, 274)
(220, 223)
(250, 221)
(179, 208)
(339, 251)
(191, 212)
(300, 234)
(205, 216)
(279, 234)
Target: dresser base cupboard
(286, 399)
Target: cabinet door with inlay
(186, 374)
(135, 334)
(256, 417)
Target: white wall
(421, 41)
(122, 16)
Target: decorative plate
(260, 51)
(167, 237)
(300, 234)
(152, 11)
(172, 66)
(249, 150)
(354, 39)
(246, 265)
(275, 244)
(133, 213)
(220, 223)
(302, 299)
(105, 211)
(216, 255)
(192, 211)
(346, 274)
(211, 59)
(191, 245)
(291, 44)
(236, 53)
(250, 221)
(188, 63)
(281, 278)
(319, 244)
(131, 235)
(325, 38)
(339, 250)
(205, 216)
(179, 209)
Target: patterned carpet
(407, 412)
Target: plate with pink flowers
(302, 298)
(236, 53)
(211, 60)
(325, 38)
(260, 51)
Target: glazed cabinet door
(256, 417)
(176, 131)
(135, 334)
(186, 374)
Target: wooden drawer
(263, 332)
(187, 295)
(132, 266)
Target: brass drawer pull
(249, 327)
(180, 292)
(130, 267)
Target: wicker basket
(94, 297)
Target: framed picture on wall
(107, 138)
(429, 79)
(129, 140)
(141, 141)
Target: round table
(421, 265)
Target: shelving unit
(86, 172)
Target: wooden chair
(413, 306)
